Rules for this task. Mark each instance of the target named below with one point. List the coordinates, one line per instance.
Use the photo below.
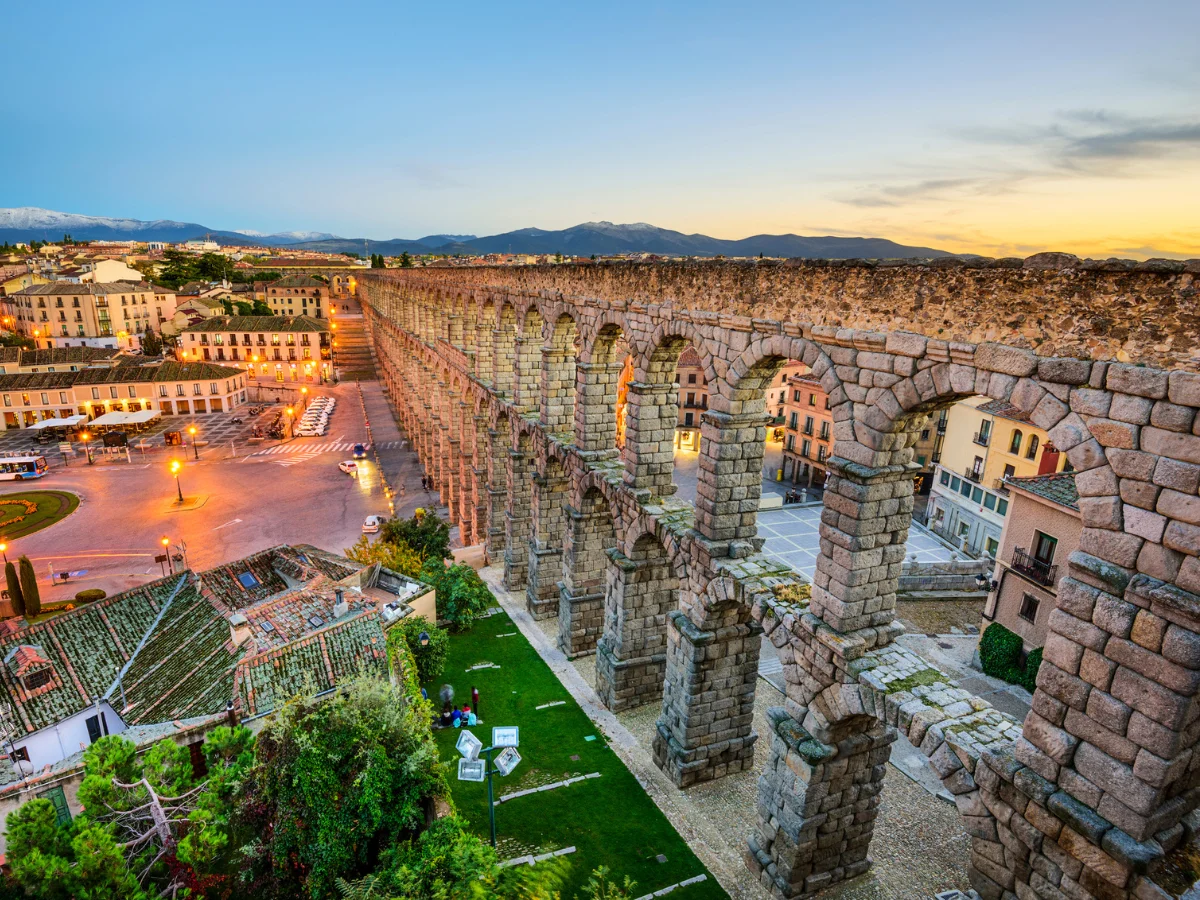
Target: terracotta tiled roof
(258, 323)
(65, 355)
(689, 357)
(316, 662)
(1004, 411)
(97, 290)
(1059, 488)
(25, 658)
(295, 281)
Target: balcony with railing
(999, 485)
(973, 475)
(982, 438)
(1036, 570)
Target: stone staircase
(353, 352)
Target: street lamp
(166, 545)
(304, 396)
(4, 550)
(87, 446)
(291, 423)
(176, 465)
(192, 432)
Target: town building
(807, 423)
(268, 348)
(185, 653)
(14, 360)
(1041, 531)
(294, 295)
(693, 399)
(62, 314)
(985, 442)
(169, 387)
(108, 271)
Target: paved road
(252, 499)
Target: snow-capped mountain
(27, 223)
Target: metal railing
(1033, 568)
(999, 485)
(972, 475)
(982, 439)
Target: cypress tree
(29, 588)
(14, 589)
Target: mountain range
(598, 238)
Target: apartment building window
(1043, 547)
(805, 448)
(62, 396)
(1014, 445)
(825, 435)
(25, 400)
(162, 390)
(95, 393)
(793, 420)
(1031, 453)
(812, 399)
(808, 424)
(112, 392)
(691, 377)
(688, 419)
(795, 396)
(791, 442)
(822, 453)
(196, 391)
(212, 388)
(45, 399)
(132, 391)
(1029, 608)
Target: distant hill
(598, 238)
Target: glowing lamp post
(176, 465)
(87, 445)
(166, 554)
(192, 432)
(4, 550)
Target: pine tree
(406, 261)
(30, 592)
(14, 589)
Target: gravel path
(919, 848)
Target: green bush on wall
(1000, 656)
(90, 595)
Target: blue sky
(1001, 129)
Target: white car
(306, 431)
(349, 466)
(372, 523)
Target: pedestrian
(456, 717)
(471, 718)
(475, 699)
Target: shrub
(29, 587)
(397, 557)
(1000, 656)
(91, 595)
(14, 588)
(430, 659)
(428, 535)
(462, 596)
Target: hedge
(1000, 656)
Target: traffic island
(188, 503)
(23, 513)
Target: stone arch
(485, 328)
(591, 532)
(551, 488)
(599, 395)
(641, 590)
(653, 402)
(517, 520)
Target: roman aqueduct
(505, 381)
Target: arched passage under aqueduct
(1083, 798)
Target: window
(1029, 608)
(924, 434)
(822, 454)
(977, 495)
(112, 392)
(989, 501)
(805, 448)
(992, 545)
(795, 396)
(965, 489)
(1002, 506)
(196, 389)
(132, 391)
(944, 477)
(691, 399)
(248, 580)
(212, 388)
(691, 377)
(921, 461)
(812, 399)
(688, 418)
(162, 390)
(793, 421)
(36, 679)
(95, 393)
(62, 396)
(954, 483)
(45, 399)
(1044, 547)
(58, 800)
(1014, 445)
(179, 390)
(95, 732)
(791, 442)
(1031, 453)
(808, 424)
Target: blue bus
(22, 468)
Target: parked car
(372, 524)
(360, 452)
(349, 466)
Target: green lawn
(610, 820)
(51, 506)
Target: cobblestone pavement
(920, 847)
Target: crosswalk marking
(327, 447)
(293, 460)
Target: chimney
(341, 607)
(239, 629)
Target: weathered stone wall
(1092, 792)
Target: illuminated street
(265, 495)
